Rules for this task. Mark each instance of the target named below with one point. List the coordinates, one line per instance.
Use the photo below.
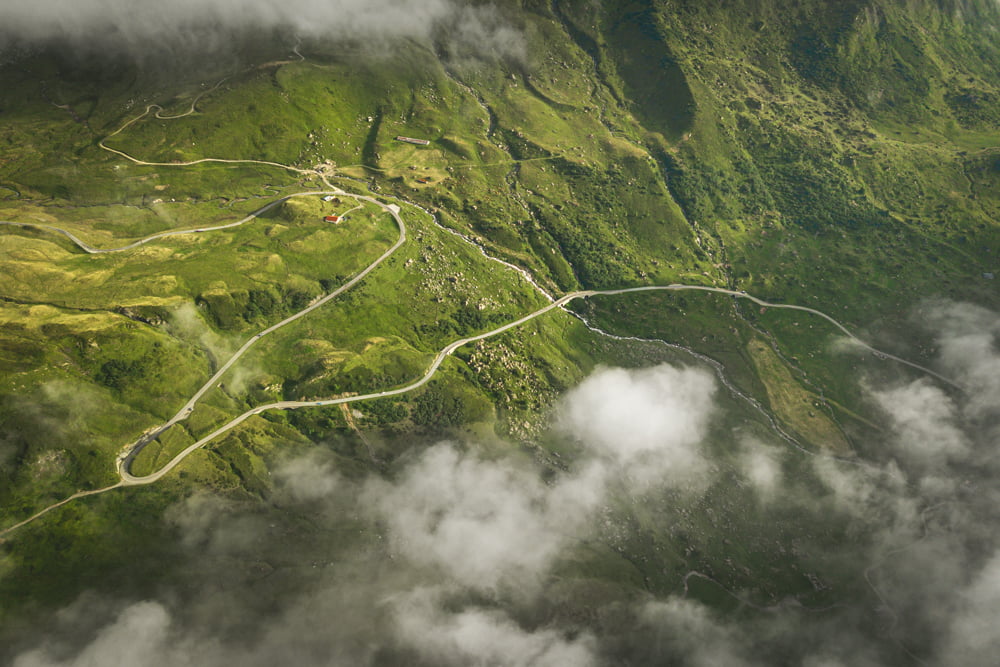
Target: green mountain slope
(841, 156)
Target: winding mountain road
(132, 480)
(125, 460)
(785, 306)
(91, 250)
(180, 163)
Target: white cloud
(868, 491)
(761, 466)
(482, 522)
(650, 422)
(923, 417)
(463, 527)
(136, 638)
(212, 525)
(967, 337)
(483, 637)
(308, 478)
(186, 321)
(823, 661)
(687, 629)
(192, 24)
(489, 523)
(974, 634)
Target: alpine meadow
(509, 332)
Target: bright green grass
(846, 176)
(292, 248)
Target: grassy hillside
(838, 155)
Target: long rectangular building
(411, 140)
